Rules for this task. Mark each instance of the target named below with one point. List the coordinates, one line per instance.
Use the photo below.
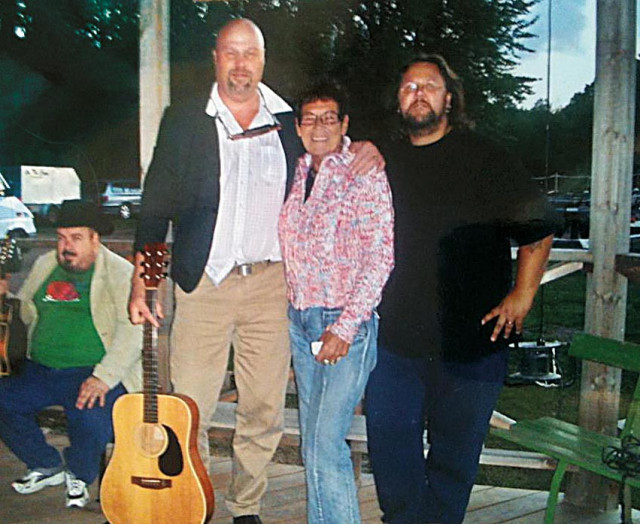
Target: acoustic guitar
(155, 475)
(13, 332)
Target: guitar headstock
(154, 264)
(8, 256)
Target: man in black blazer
(219, 174)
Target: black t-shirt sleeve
(522, 209)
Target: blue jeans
(400, 394)
(36, 387)
(327, 397)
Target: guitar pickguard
(171, 462)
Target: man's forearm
(532, 261)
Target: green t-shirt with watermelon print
(65, 336)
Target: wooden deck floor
(284, 502)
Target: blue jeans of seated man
(327, 397)
(401, 391)
(36, 387)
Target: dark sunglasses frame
(256, 131)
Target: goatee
(239, 85)
(420, 126)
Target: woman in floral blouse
(336, 236)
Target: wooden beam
(154, 74)
(611, 177)
(629, 266)
(562, 255)
(561, 270)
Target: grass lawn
(559, 310)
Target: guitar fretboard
(150, 363)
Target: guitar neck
(150, 362)
(3, 276)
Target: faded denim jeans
(327, 397)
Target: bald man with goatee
(220, 173)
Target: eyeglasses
(252, 132)
(413, 87)
(329, 118)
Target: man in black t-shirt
(450, 308)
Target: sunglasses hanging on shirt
(252, 132)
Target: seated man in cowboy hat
(83, 354)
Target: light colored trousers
(248, 312)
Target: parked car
(121, 197)
(16, 220)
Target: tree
(81, 56)
(80, 59)
(363, 44)
(481, 40)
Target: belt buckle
(244, 270)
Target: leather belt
(244, 270)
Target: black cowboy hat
(81, 213)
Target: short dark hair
(324, 90)
(457, 116)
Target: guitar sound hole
(171, 462)
(152, 439)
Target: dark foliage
(69, 89)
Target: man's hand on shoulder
(367, 157)
(92, 389)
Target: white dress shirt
(253, 173)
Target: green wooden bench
(572, 445)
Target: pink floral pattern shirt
(337, 246)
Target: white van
(15, 219)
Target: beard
(239, 86)
(70, 264)
(421, 125)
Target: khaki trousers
(248, 312)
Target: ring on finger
(326, 361)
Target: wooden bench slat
(572, 434)
(557, 445)
(225, 417)
(588, 458)
(615, 353)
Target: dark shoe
(247, 519)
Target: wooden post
(154, 74)
(611, 178)
(154, 97)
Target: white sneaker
(35, 480)
(77, 492)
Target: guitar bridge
(151, 482)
